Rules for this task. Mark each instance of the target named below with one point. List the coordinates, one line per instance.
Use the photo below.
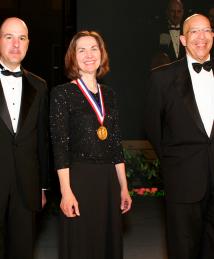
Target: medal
(98, 108)
(102, 133)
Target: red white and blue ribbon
(99, 109)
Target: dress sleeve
(117, 146)
(59, 128)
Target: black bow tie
(6, 72)
(207, 65)
(10, 73)
(174, 28)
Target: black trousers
(190, 228)
(16, 226)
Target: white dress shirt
(203, 86)
(12, 88)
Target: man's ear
(183, 40)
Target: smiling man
(197, 38)
(179, 116)
(23, 148)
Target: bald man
(179, 116)
(23, 148)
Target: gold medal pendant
(98, 107)
(102, 133)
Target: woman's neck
(91, 82)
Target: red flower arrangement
(142, 172)
(148, 192)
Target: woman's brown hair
(71, 66)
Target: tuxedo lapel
(4, 113)
(171, 50)
(172, 53)
(212, 132)
(28, 95)
(184, 85)
(181, 51)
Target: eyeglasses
(197, 31)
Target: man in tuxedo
(169, 47)
(179, 114)
(23, 144)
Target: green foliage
(140, 172)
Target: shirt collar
(192, 60)
(7, 68)
(173, 26)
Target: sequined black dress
(96, 234)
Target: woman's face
(88, 55)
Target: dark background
(128, 28)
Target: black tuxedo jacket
(168, 48)
(174, 127)
(24, 155)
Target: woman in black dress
(88, 155)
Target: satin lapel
(184, 85)
(212, 132)
(181, 51)
(171, 50)
(4, 113)
(28, 95)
